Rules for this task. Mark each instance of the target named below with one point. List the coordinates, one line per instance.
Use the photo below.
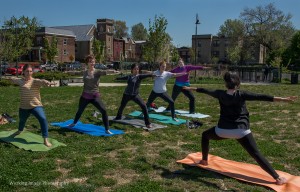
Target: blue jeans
(39, 113)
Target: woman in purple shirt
(90, 93)
(184, 80)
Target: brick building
(65, 44)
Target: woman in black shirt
(234, 121)
(132, 92)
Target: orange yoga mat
(243, 171)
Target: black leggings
(137, 99)
(248, 144)
(98, 104)
(165, 97)
(177, 90)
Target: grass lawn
(140, 160)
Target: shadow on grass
(64, 131)
(190, 173)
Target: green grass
(139, 160)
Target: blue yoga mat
(89, 129)
(160, 118)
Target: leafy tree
(158, 39)
(174, 54)
(292, 54)
(233, 29)
(50, 48)
(240, 43)
(268, 26)
(17, 37)
(234, 54)
(120, 29)
(139, 32)
(98, 50)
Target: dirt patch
(122, 176)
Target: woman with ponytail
(234, 121)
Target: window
(216, 53)
(65, 41)
(65, 52)
(199, 43)
(216, 43)
(39, 40)
(199, 54)
(226, 43)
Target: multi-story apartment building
(65, 44)
(206, 47)
(105, 34)
(129, 49)
(118, 49)
(139, 50)
(84, 39)
(185, 54)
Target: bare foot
(16, 133)
(281, 181)
(47, 143)
(203, 162)
(108, 132)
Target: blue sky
(179, 13)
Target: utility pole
(196, 44)
(197, 23)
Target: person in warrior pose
(184, 80)
(160, 88)
(31, 101)
(234, 121)
(132, 92)
(90, 94)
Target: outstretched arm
(190, 88)
(48, 83)
(285, 99)
(178, 74)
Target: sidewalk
(100, 84)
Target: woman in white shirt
(160, 88)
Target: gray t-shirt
(161, 81)
(91, 84)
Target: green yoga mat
(28, 141)
(160, 118)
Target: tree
(139, 32)
(50, 48)
(268, 27)
(98, 50)
(120, 29)
(234, 54)
(233, 29)
(17, 37)
(174, 54)
(240, 43)
(291, 55)
(158, 39)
